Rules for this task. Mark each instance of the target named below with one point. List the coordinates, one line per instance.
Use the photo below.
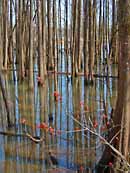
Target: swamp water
(59, 112)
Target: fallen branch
(12, 134)
(35, 139)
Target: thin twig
(115, 136)
(103, 139)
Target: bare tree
(85, 44)
(50, 62)
(90, 44)
(1, 38)
(121, 118)
(5, 33)
(31, 46)
(54, 35)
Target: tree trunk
(5, 100)
(95, 31)
(121, 117)
(10, 48)
(66, 28)
(90, 44)
(114, 33)
(1, 38)
(20, 40)
(85, 44)
(100, 30)
(74, 36)
(124, 77)
(31, 47)
(40, 45)
(54, 35)
(50, 62)
(5, 34)
(43, 5)
(79, 36)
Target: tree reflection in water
(71, 146)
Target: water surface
(77, 106)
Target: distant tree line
(81, 34)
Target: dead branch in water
(35, 139)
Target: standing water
(50, 131)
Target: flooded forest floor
(48, 132)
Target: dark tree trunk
(121, 117)
(5, 100)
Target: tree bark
(85, 44)
(124, 77)
(50, 62)
(54, 35)
(121, 117)
(31, 47)
(40, 41)
(74, 36)
(5, 100)
(5, 34)
(79, 36)
(90, 44)
(1, 38)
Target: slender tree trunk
(66, 34)
(1, 38)
(74, 51)
(20, 41)
(100, 30)
(54, 35)
(60, 35)
(95, 31)
(54, 43)
(10, 48)
(103, 35)
(5, 100)
(31, 47)
(90, 44)
(85, 44)
(16, 31)
(43, 4)
(26, 35)
(50, 62)
(66, 27)
(40, 41)
(114, 33)
(5, 34)
(71, 28)
(79, 36)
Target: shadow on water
(59, 112)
